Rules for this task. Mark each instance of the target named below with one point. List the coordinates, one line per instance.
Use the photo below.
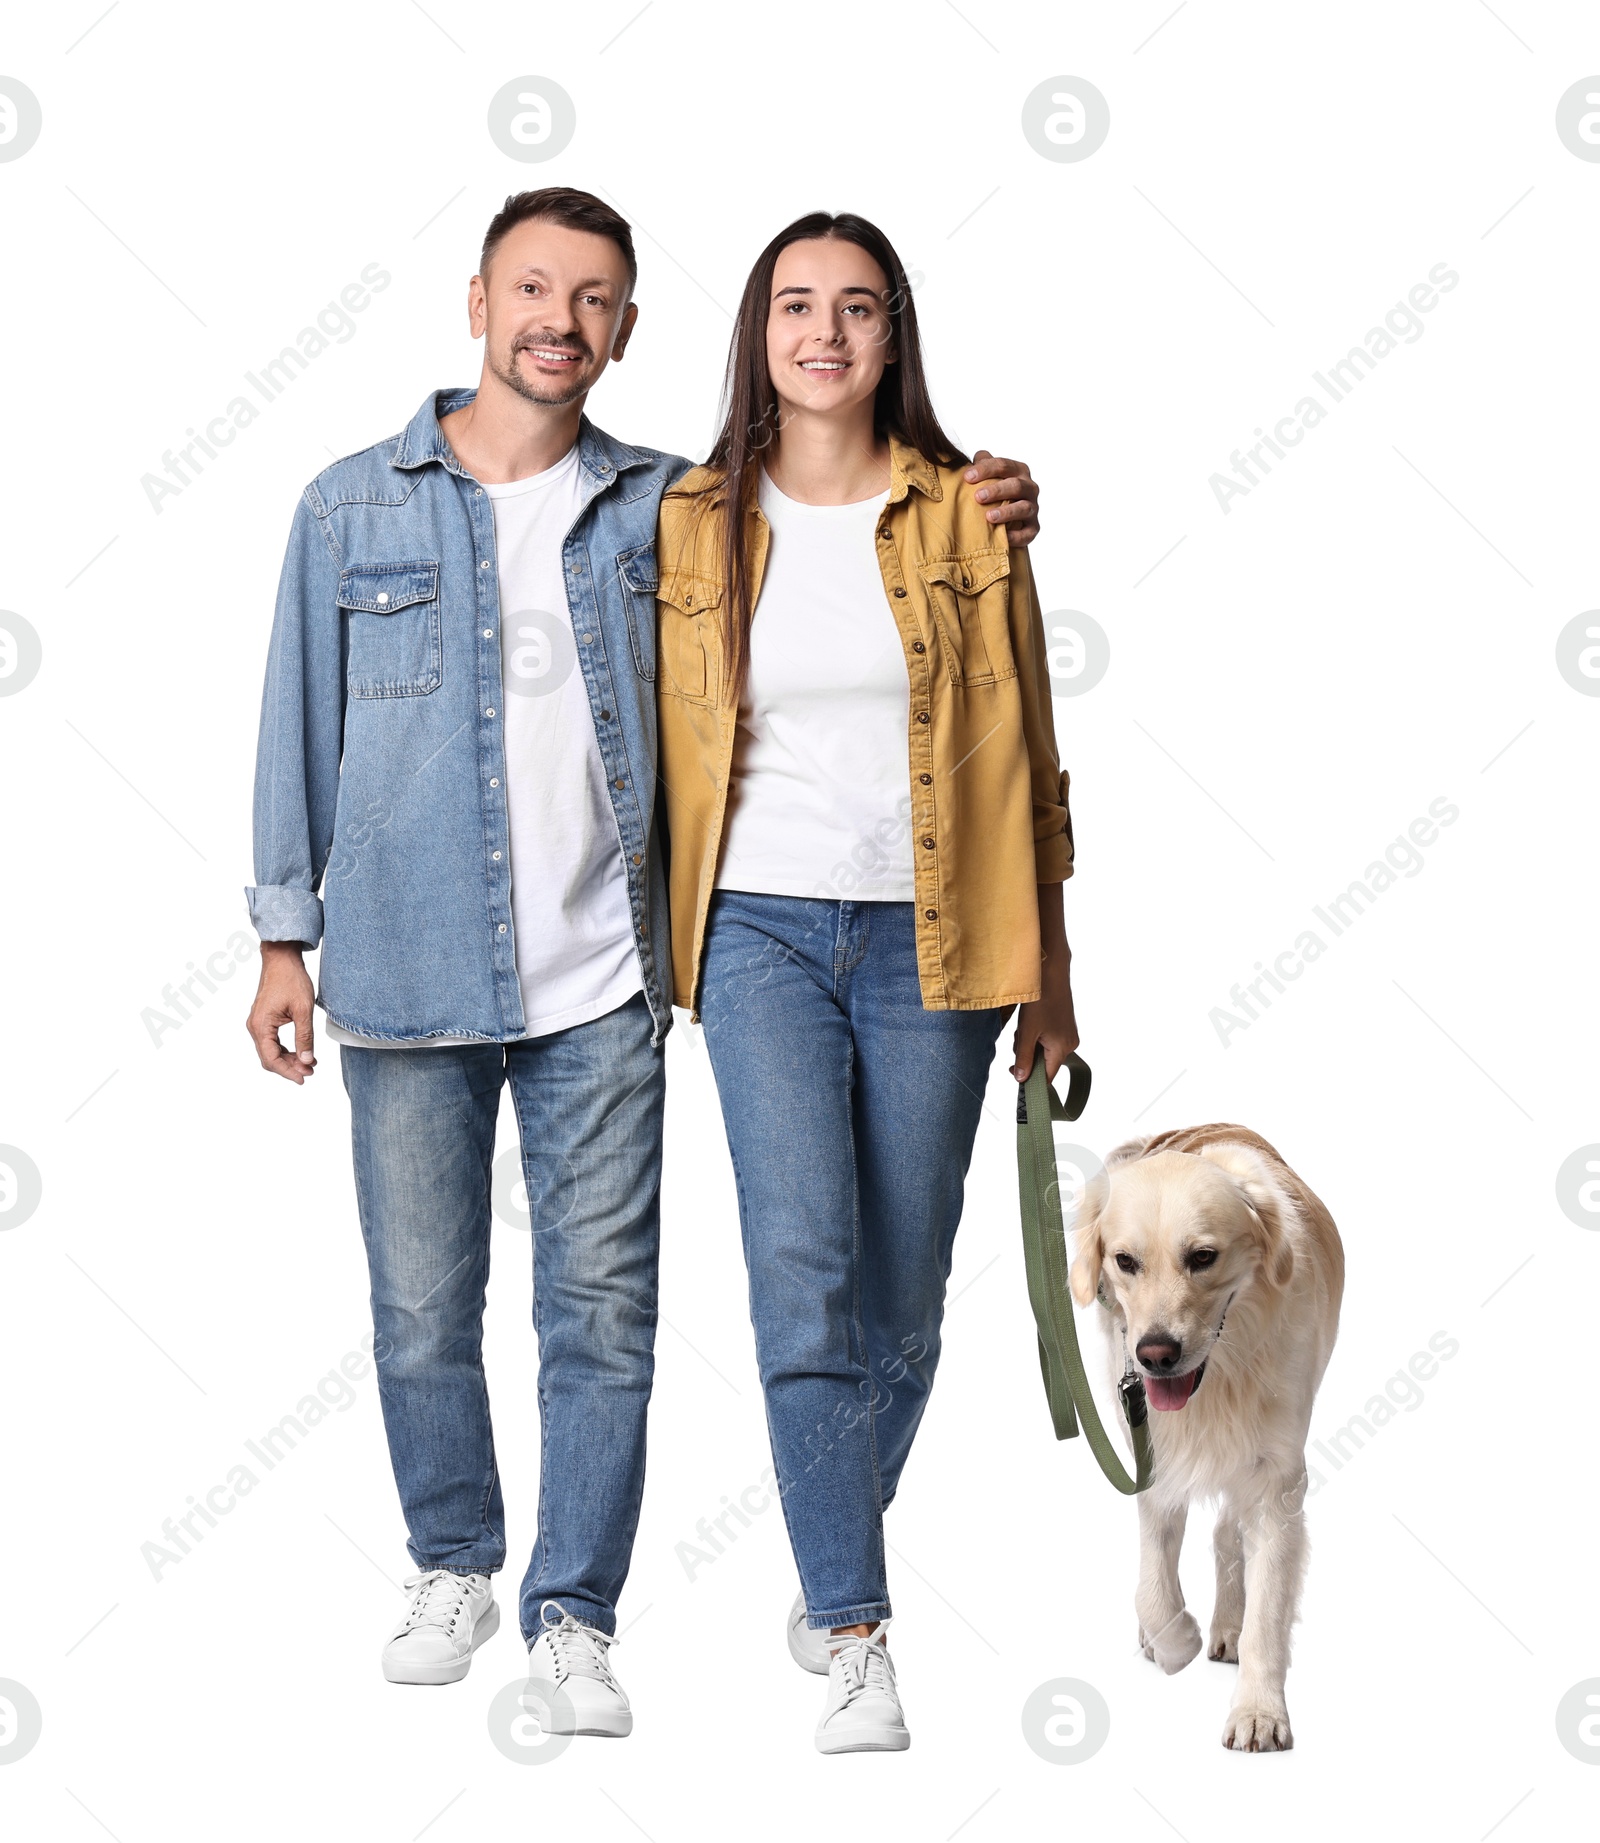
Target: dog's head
(1174, 1239)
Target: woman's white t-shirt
(819, 802)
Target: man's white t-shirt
(819, 803)
(576, 958)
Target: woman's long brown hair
(902, 408)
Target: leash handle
(1044, 1244)
(1079, 1081)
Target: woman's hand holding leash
(1049, 1020)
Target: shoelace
(580, 1650)
(864, 1665)
(439, 1599)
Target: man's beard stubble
(559, 395)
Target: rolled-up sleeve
(1052, 816)
(302, 732)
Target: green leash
(1044, 1245)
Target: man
(458, 746)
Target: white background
(1370, 629)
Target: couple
(515, 699)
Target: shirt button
(619, 783)
(488, 633)
(502, 928)
(922, 716)
(883, 531)
(586, 638)
(484, 564)
(637, 858)
(918, 647)
(931, 914)
(605, 716)
(641, 927)
(494, 783)
(382, 597)
(495, 855)
(926, 780)
(488, 713)
(899, 594)
(478, 493)
(927, 844)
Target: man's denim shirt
(381, 772)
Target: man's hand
(1011, 497)
(283, 997)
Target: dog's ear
(1277, 1252)
(1270, 1209)
(1089, 1247)
(1127, 1152)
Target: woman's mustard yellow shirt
(989, 811)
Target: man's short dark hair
(561, 205)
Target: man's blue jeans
(588, 1103)
(851, 1114)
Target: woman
(869, 833)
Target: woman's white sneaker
(863, 1713)
(808, 1649)
(571, 1687)
(450, 1615)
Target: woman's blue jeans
(851, 1114)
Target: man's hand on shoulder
(284, 996)
(1010, 497)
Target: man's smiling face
(553, 309)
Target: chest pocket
(392, 624)
(636, 571)
(971, 600)
(686, 617)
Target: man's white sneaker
(808, 1649)
(571, 1689)
(449, 1617)
(863, 1713)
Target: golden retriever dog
(1221, 1275)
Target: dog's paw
(1224, 1645)
(1258, 1730)
(1176, 1644)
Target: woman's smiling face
(829, 334)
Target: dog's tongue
(1167, 1392)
